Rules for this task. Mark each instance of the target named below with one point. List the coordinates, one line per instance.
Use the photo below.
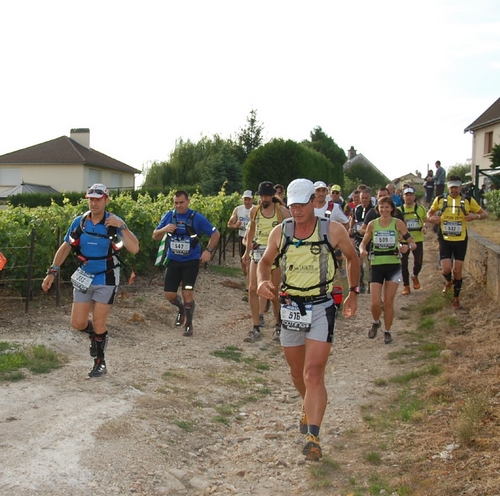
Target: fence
(24, 285)
(8, 252)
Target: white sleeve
(338, 215)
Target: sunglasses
(96, 192)
(336, 192)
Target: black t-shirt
(373, 214)
(359, 214)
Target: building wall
(70, 177)
(479, 157)
(482, 262)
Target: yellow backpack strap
(277, 209)
(257, 210)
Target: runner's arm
(409, 241)
(366, 240)
(206, 254)
(338, 232)
(59, 258)
(233, 221)
(249, 234)
(265, 287)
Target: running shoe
(342, 272)
(373, 331)
(181, 318)
(188, 330)
(262, 322)
(416, 282)
(312, 449)
(253, 335)
(456, 304)
(406, 291)
(245, 296)
(277, 333)
(99, 368)
(387, 337)
(447, 286)
(303, 422)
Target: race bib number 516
(293, 320)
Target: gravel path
(170, 417)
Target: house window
(10, 177)
(116, 181)
(94, 176)
(488, 143)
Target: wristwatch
(124, 227)
(354, 289)
(210, 250)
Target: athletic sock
(101, 342)
(178, 303)
(313, 429)
(189, 311)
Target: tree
(281, 161)
(324, 144)
(495, 157)
(187, 163)
(250, 137)
(220, 169)
(460, 170)
(154, 175)
(364, 174)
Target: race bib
(413, 224)
(81, 280)
(384, 239)
(451, 228)
(244, 223)
(258, 253)
(293, 320)
(180, 246)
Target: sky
(398, 81)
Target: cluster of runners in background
(294, 242)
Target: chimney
(81, 136)
(351, 153)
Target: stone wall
(483, 263)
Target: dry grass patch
(112, 430)
(487, 229)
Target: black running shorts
(181, 272)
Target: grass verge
(16, 359)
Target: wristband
(354, 289)
(53, 269)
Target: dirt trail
(172, 418)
